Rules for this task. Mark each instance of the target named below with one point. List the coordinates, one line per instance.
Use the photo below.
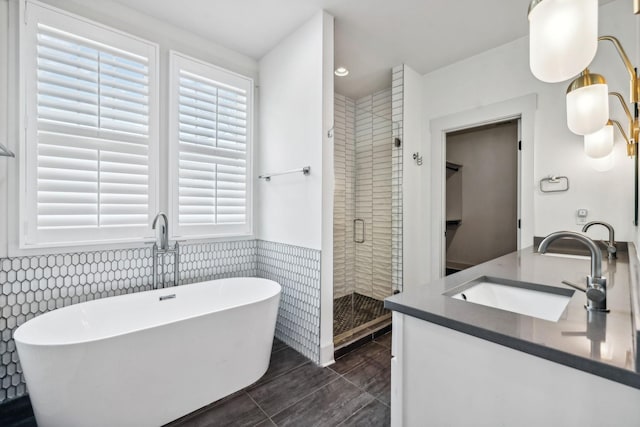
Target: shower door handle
(355, 230)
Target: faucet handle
(596, 294)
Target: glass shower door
(362, 214)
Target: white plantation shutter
(210, 138)
(90, 143)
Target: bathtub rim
(21, 341)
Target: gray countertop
(602, 344)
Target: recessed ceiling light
(341, 72)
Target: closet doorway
(481, 185)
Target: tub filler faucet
(596, 283)
(163, 249)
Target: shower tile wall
(297, 269)
(368, 191)
(397, 105)
(344, 201)
(364, 195)
(373, 193)
(33, 285)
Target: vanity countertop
(603, 344)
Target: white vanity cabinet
(444, 377)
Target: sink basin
(530, 299)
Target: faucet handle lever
(574, 286)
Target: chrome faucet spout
(164, 231)
(159, 252)
(596, 284)
(611, 246)
(596, 255)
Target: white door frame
(522, 108)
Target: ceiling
(371, 36)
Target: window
(90, 146)
(210, 146)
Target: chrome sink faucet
(596, 283)
(159, 253)
(611, 246)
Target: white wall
(328, 184)
(502, 74)
(415, 181)
(4, 128)
(291, 135)
(296, 113)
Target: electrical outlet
(581, 216)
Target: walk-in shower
(363, 150)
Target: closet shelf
(453, 166)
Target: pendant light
(600, 143)
(563, 37)
(587, 103)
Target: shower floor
(355, 310)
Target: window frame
(179, 61)
(31, 12)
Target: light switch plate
(581, 216)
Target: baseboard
(326, 355)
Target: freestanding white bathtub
(137, 360)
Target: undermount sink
(530, 299)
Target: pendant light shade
(563, 37)
(600, 143)
(603, 164)
(587, 103)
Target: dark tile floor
(355, 391)
(18, 413)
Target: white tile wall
(344, 202)
(364, 194)
(373, 193)
(363, 172)
(297, 270)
